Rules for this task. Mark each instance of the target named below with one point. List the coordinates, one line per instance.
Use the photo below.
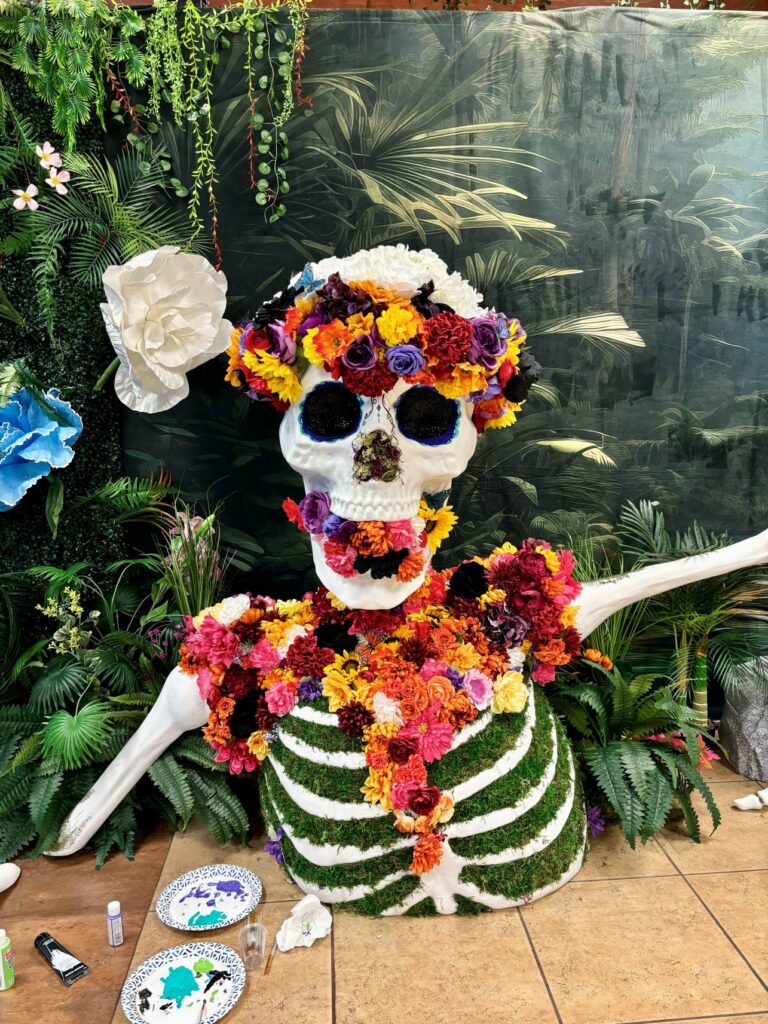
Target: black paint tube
(68, 967)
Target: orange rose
(427, 853)
(440, 689)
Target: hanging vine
(83, 57)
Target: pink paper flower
(48, 156)
(239, 756)
(401, 795)
(280, 698)
(479, 687)
(264, 656)
(213, 642)
(342, 562)
(432, 668)
(401, 534)
(205, 682)
(25, 197)
(434, 737)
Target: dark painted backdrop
(573, 165)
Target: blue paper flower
(32, 443)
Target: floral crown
(379, 316)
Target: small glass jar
(253, 941)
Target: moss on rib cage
(391, 895)
(479, 753)
(343, 784)
(362, 834)
(528, 826)
(520, 878)
(324, 737)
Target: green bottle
(7, 974)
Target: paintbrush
(203, 1008)
(272, 952)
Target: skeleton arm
(601, 599)
(178, 709)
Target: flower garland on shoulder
(362, 322)
(404, 681)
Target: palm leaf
(75, 739)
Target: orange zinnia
(553, 653)
(427, 853)
(458, 711)
(410, 567)
(371, 538)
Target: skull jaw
(362, 591)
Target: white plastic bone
(9, 874)
(754, 802)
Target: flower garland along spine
(405, 681)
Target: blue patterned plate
(171, 986)
(209, 897)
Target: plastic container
(115, 933)
(7, 973)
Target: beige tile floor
(669, 932)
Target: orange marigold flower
(410, 567)
(552, 587)
(592, 654)
(414, 770)
(377, 759)
(553, 653)
(217, 730)
(494, 664)
(458, 711)
(606, 662)
(371, 538)
(427, 852)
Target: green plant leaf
(62, 681)
(44, 789)
(170, 779)
(54, 503)
(75, 739)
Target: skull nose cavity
(376, 457)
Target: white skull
(327, 462)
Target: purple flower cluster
(274, 847)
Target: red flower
(448, 338)
(424, 799)
(254, 339)
(372, 383)
(239, 681)
(375, 621)
(305, 658)
(402, 747)
(291, 509)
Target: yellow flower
(257, 744)
(74, 600)
(340, 681)
(275, 631)
(505, 549)
(398, 324)
(377, 294)
(493, 595)
(50, 610)
(289, 608)
(377, 788)
(336, 602)
(550, 557)
(360, 323)
(338, 690)
(464, 657)
(465, 378)
(509, 417)
(568, 615)
(509, 693)
(281, 378)
(439, 523)
(233, 369)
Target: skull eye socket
(424, 415)
(330, 412)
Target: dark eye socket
(424, 415)
(330, 412)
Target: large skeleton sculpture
(509, 827)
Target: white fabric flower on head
(164, 316)
(404, 271)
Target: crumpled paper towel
(309, 920)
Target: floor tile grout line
(717, 922)
(745, 1015)
(670, 874)
(149, 910)
(540, 966)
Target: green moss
(390, 896)
(363, 834)
(479, 753)
(510, 788)
(342, 784)
(520, 878)
(529, 825)
(324, 737)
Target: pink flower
(434, 737)
(280, 698)
(25, 197)
(401, 795)
(543, 673)
(213, 642)
(401, 534)
(479, 687)
(264, 656)
(432, 668)
(342, 562)
(205, 685)
(239, 756)
(48, 156)
(57, 179)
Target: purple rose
(405, 360)
(313, 319)
(315, 509)
(487, 345)
(361, 354)
(283, 345)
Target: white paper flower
(164, 316)
(404, 271)
(309, 921)
(386, 710)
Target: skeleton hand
(601, 599)
(178, 708)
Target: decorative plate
(209, 897)
(170, 987)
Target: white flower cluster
(404, 271)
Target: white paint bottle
(115, 923)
